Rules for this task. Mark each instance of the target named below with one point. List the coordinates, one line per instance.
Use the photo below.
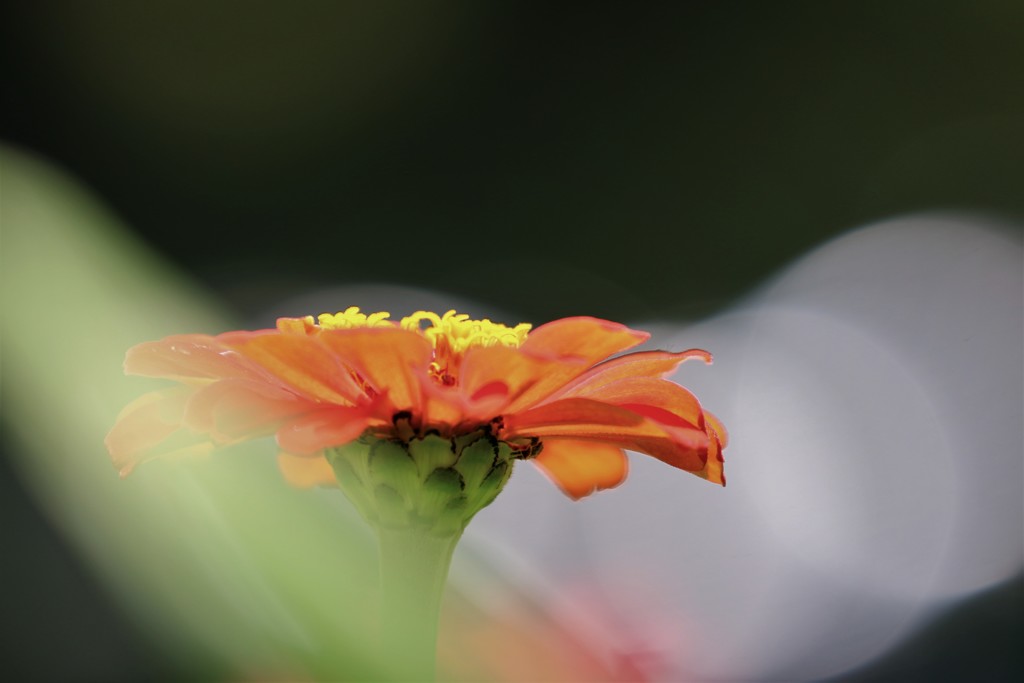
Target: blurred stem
(413, 570)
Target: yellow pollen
(351, 317)
(455, 332)
(452, 334)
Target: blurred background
(827, 196)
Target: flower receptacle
(432, 484)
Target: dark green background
(622, 160)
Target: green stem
(413, 570)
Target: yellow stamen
(457, 333)
(452, 334)
(351, 317)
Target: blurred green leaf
(218, 556)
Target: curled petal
(553, 356)
(713, 469)
(306, 471)
(649, 364)
(585, 338)
(715, 425)
(580, 468)
(590, 420)
(659, 399)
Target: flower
(556, 394)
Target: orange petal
(527, 378)
(553, 356)
(331, 426)
(580, 468)
(144, 424)
(232, 409)
(306, 471)
(585, 338)
(590, 420)
(452, 406)
(239, 337)
(713, 469)
(306, 365)
(188, 357)
(654, 364)
(714, 424)
(442, 405)
(393, 361)
(641, 393)
(301, 326)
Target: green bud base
(418, 495)
(431, 483)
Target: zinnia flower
(557, 395)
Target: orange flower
(554, 393)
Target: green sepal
(431, 453)
(351, 470)
(441, 488)
(476, 461)
(492, 484)
(392, 466)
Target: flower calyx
(430, 483)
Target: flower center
(451, 334)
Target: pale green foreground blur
(224, 562)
